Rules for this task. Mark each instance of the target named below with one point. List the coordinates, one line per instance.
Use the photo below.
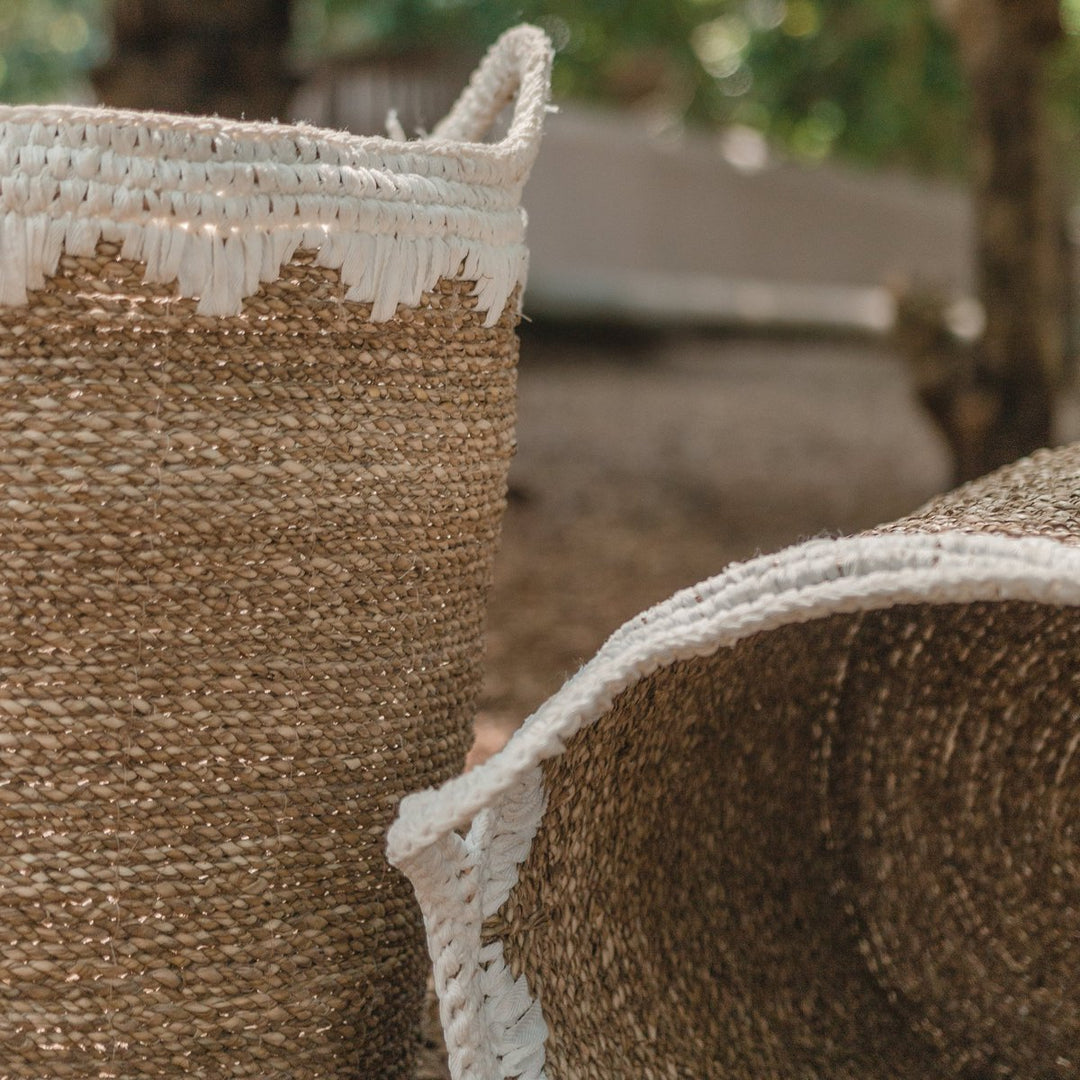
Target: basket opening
(843, 848)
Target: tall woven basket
(257, 387)
(818, 816)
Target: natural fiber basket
(258, 397)
(817, 817)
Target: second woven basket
(258, 403)
(815, 817)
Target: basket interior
(841, 849)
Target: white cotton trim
(218, 206)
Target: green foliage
(874, 80)
(877, 81)
(47, 46)
(344, 27)
(1064, 90)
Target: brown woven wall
(244, 563)
(839, 848)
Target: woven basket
(816, 817)
(258, 396)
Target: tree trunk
(1022, 250)
(199, 56)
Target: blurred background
(797, 264)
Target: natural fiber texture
(219, 206)
(813, 817)
(1038, 496)
(245, 560)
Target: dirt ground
(648, 463)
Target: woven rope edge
(494, 1026)
(219, 207)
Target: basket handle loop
(518, 63)
(445, 876)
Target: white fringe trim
(502, 802)
(219, 207)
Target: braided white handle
(518, 63)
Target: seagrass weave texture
(253, 469)
(813, 817)
(244, 569)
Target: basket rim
(219, 205)
(518, 62)
(801, 584)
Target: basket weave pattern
(819, 915)
(245, 561)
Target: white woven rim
(494, 1026)
(219, 206)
